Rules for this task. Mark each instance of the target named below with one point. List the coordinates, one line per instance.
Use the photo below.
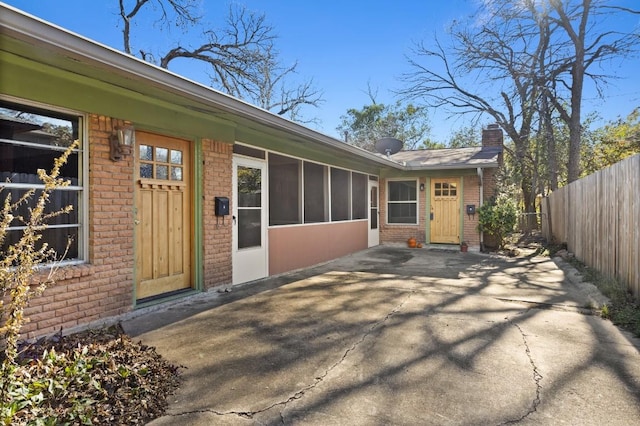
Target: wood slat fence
(598, 217)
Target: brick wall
(217, 235)
(391, 233)
(470, 223)
(491, 136)
(103, 286)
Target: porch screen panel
(359, 184)
(284, 190)
(315, 193)
(340, 188)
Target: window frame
(416, 202)
(82, 189)
(303, 194)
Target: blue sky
(345, 46)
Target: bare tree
(490, 70)
(584, 43)
(520, 62)
(241, 56)
(182, 12)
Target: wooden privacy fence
(598, 217)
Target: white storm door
(249, 220)
(374, 222)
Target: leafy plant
(98, 377)
(20, 278)
(498, 218)
(623, 309)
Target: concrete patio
(398, 336)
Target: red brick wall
(491, 136)
(217, 236)
(102, 287)
(392, 233)
(470, 223)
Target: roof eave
(488, 165)
(26, 27)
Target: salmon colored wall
(295, 247)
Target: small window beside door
(402, 202)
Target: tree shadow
(384, 327)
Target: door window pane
(176, 157)
(162, 172)
(176, 173)
(373, 212)
(249, 228)
(146, 171)
(249, 187)
(162, 155)
(146, 152)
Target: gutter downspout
(481, 191)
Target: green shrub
(101, 380)
(498, 218)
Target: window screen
(340, 186)
(359, 184)
(284, 190)
(315, 193)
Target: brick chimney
(492, 136)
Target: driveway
(399, 336)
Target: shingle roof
(449, 158)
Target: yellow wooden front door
(445, 209)
(162, 215)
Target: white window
(402, 201)
(31, 139)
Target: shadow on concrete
(422, 337)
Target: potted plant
(464, 246)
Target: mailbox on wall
(471, 209)
(221, 206)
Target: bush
(498, 218)
(94, 378)
(20, 262)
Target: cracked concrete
(537, 378)
(398, 336)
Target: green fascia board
(427, 188)
(26, 79)
(285, 144)
(391, 173)
(198, 226)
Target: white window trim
(83, 149)
(417, 202)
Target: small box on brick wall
(221, 206)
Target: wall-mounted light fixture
(421, 187)
(122, 140)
